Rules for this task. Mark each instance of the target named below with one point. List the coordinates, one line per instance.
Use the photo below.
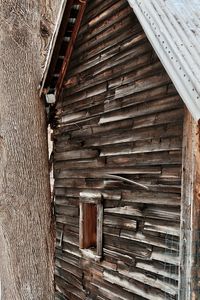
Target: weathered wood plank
(80, 164)
(102, 172)
(74, 271)
(124, 210)
(162, 227)
(151, 145)
(168, 257)
(97, 9)
(88, 126)
(167, 271)
(104, 68)
(127, 247)
(190, 217)
(76, 154)
(163, 285)
(123, 29)
(119, 222)
(67, 289)
(151, 198)
(135, 135)
(149, 239)
(155, 158)
(148, 293)
(140, 109)
(66, 210)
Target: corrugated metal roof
(173, 28)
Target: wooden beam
(81, 227)
(189, 287)
(99, 229)
(70, 48)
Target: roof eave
(178, 71)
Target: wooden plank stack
(120, 123)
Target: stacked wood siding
(120, 122)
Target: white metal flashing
(173, 28)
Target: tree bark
(26, 235)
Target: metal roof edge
(177, 68)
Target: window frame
(96, 199)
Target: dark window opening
(89, 226)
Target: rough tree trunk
(26, 239)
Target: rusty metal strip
(70, 49)
(59, 40)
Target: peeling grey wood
(26, 248)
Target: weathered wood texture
(190, 216)
(26, 247)
(120, 122)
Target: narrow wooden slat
(103, 172)
(151, 198)
(76, 154)
(159, 268)
(139, 276)
(116, 222)
(140, 109)
(150, 239)
(135, 135)
(115, 14)
(162, 227)
(100, 218)
(148, 293)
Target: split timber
(120, 117)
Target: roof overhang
(62, 45)
(53, 41)
(173, 28)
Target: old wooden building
(126, 168)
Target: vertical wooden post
(81, 221)
(99, 229)
(190, 215)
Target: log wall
(120, 121)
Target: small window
(89, 224)
(91, 220)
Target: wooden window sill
(90, 254)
